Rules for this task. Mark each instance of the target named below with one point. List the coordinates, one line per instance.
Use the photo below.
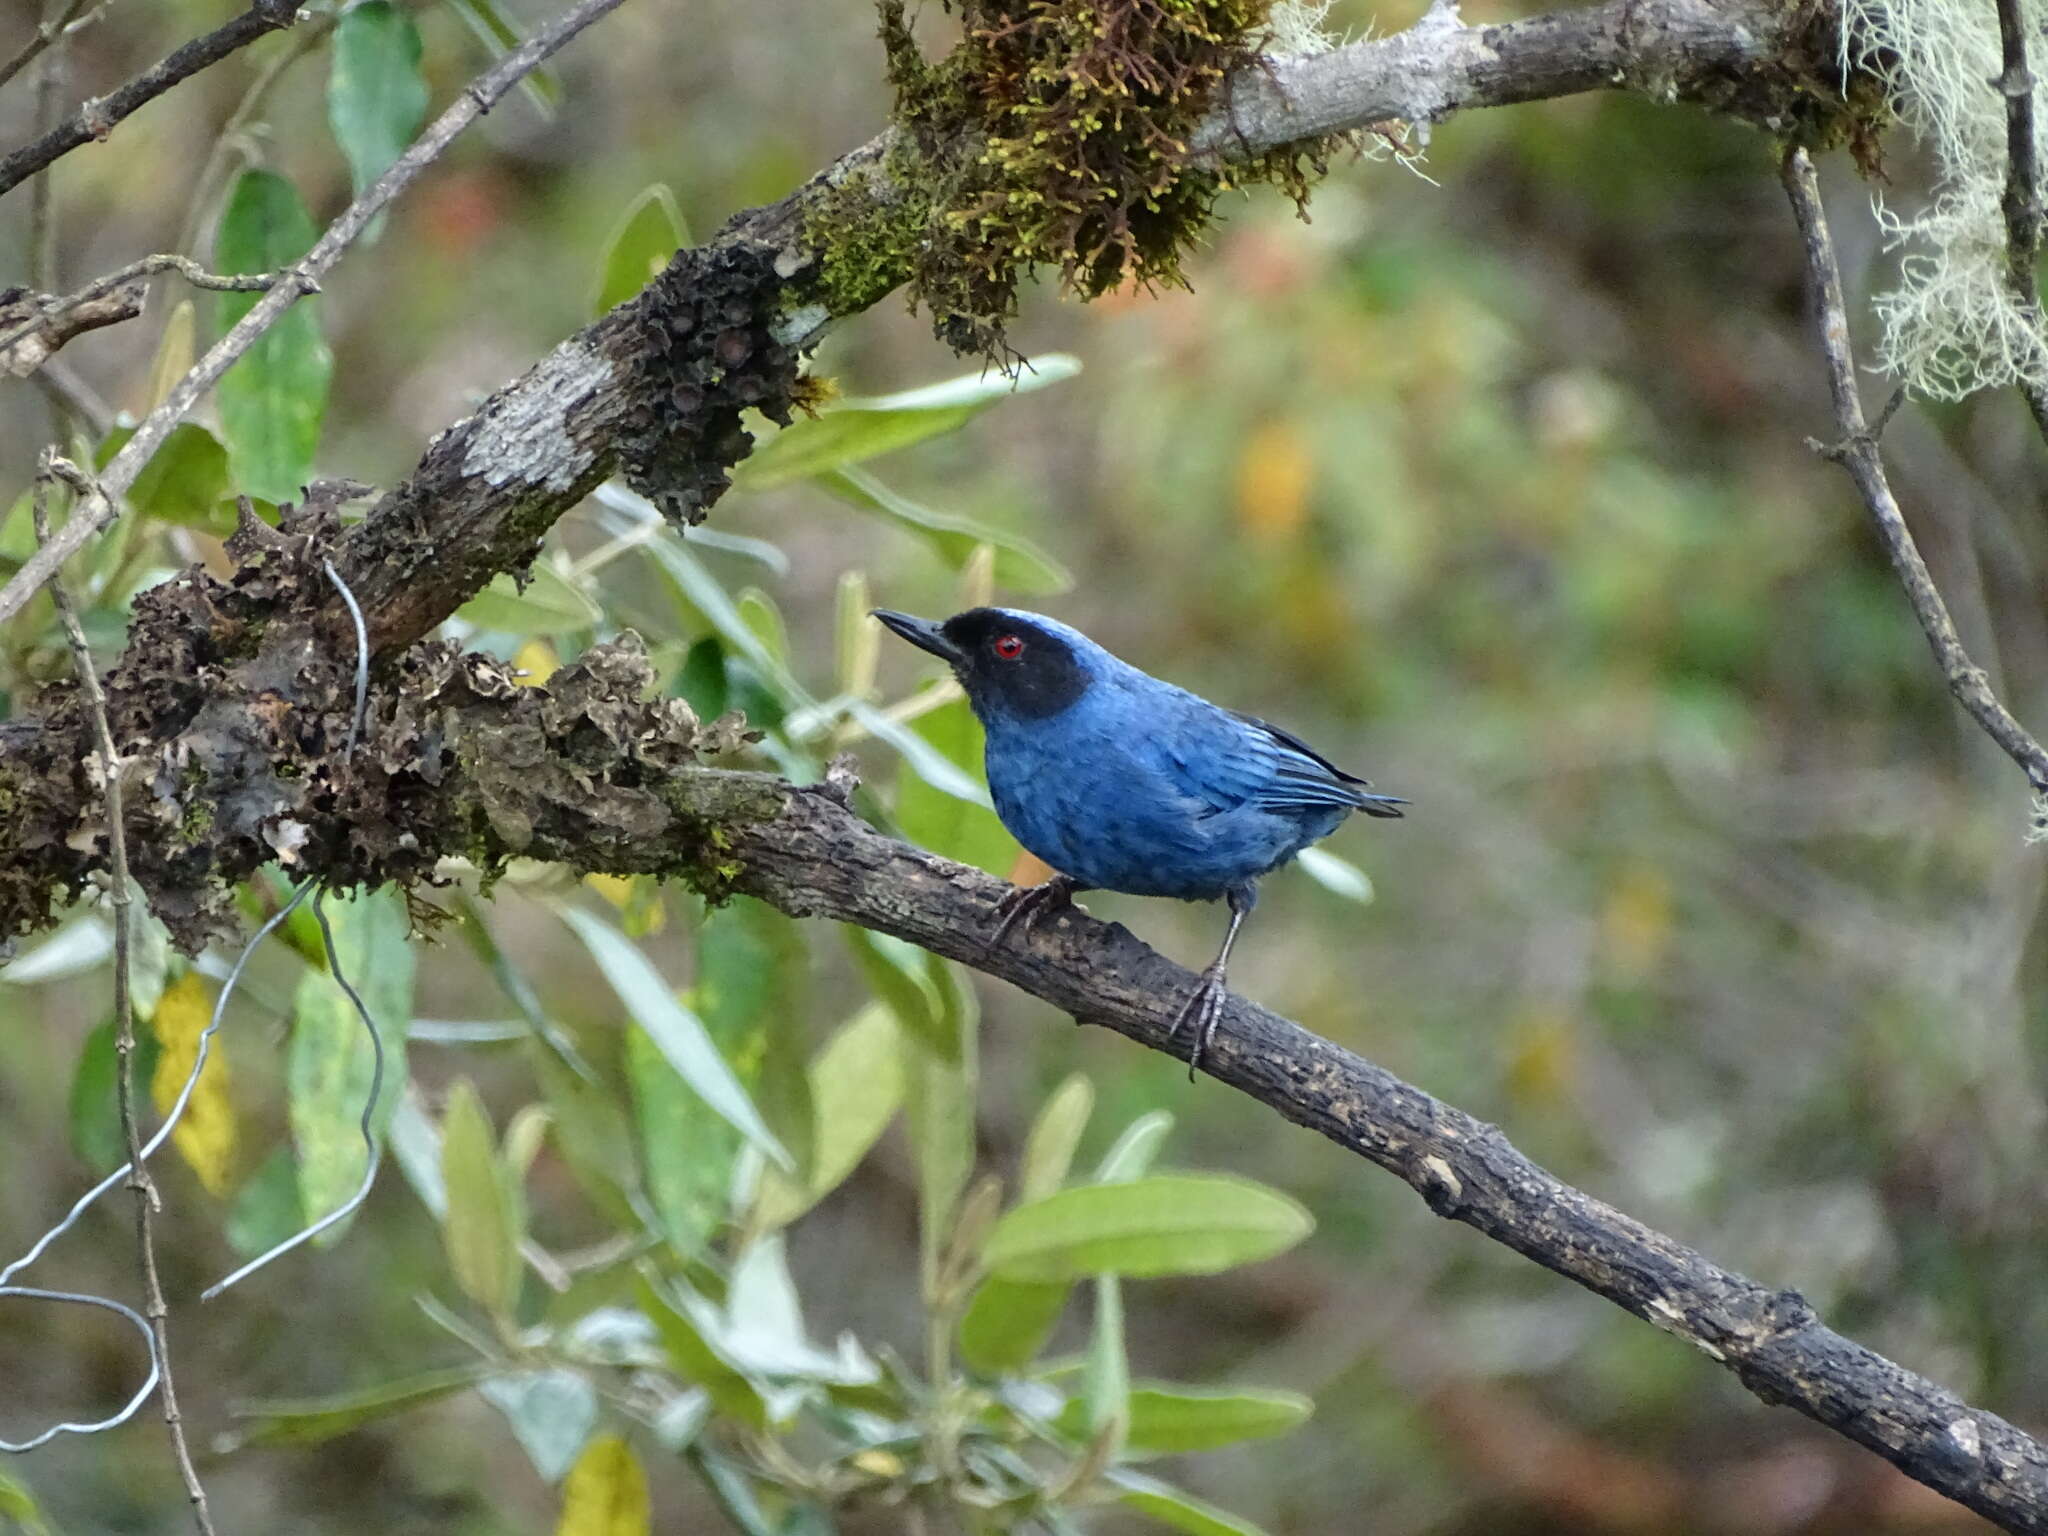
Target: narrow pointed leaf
(1167, 1224)
(206, 1137)
(1168, 1420)
(1054, 1136)
(1172, 1507)
(308, 1421)
(376, 97)
(481, 1230)
(854, 430)
(678, 1032)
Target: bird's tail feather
(1380, 805)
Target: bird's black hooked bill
(922, 633)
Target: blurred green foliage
(1495, 488)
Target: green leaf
(551, 1413)
(19, 1505)
(753, 968)
(945, 823)
(273, 398)
(676, 1030)
(1135, 1150)
(376, 97)
(856, 1088)
(649, 232)
(1054, 1136)
(606, 1494)
(1168, 1224)
(685, 1153)
(540, 86)
(549, 605)
(1167, 1420)
(186, 481)
(330, 1060)
(1170, 1506)
(484, 1222)
(267, 1209)
(1342, 876)
(1106, 1377)
(1008, 1321)
(853, 430)
(1020, 565)
(95, 1108)
(310, 1420)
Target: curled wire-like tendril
(141, 1325)
(191, 1083)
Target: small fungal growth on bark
(1053, 136)
(707, 353)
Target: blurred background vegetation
(1493, 483)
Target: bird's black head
(1009, 662)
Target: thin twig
(1857, 452)
(2022, 199)
(147, 1201)
(49, 309)
(48, 32)
(291, 285)
(95, 119)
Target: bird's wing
(1228, 761)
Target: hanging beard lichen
(1055, 134)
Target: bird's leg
(1023, 905)
(1204, 1009)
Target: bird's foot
(1200, 1015)
(1022, 905)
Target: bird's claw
(1200, 1014)
(1024, 905)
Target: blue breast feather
(1143, 787)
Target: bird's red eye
(1009, 647)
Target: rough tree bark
(232, 704)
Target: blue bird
(1121, 782)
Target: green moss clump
(1056, 135)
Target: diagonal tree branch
(1857, 452)
(457, 758)
(96, 119)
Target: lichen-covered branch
(630, 390)
(231, 765)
